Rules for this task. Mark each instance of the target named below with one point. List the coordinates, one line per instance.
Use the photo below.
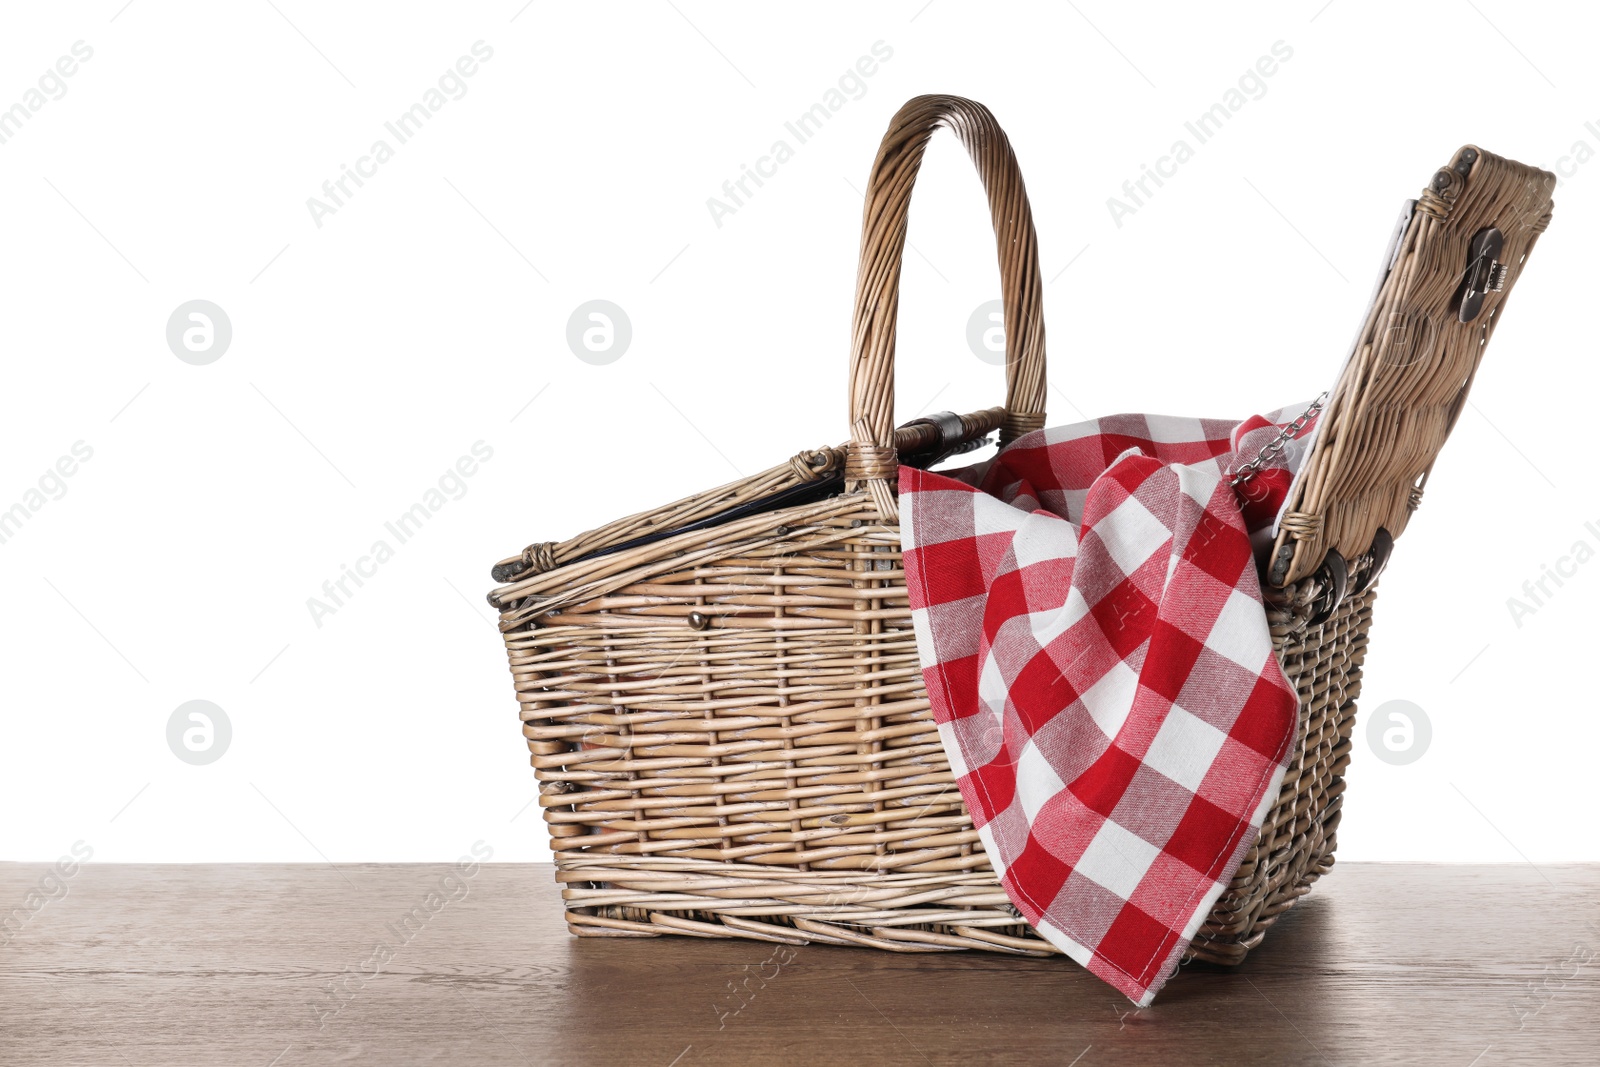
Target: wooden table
(282, 965)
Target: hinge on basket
(1378, 559)
(1334, 576)
(1335, 573)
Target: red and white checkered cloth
(1097, 658)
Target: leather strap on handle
(870, 457)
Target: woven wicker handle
(870, 457)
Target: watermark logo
(51, 86)
(199, 332)
(1251, 85)
(53, 885)
(1557, 979)
(752, 980)
(1538, 592)
(986, 333)
(451, 887)
(851, 85)
(1566, 166)
(451, 485)
(1399, 732)
(1408, 338)
(199, 732)
(52, 485)
(451, 85)
(599, 332)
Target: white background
(429, 313)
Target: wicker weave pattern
(1408, 377)
(776, 774)
(729, 725)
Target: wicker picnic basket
(722, 695)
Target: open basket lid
(1453, 257)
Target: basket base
(912, 913)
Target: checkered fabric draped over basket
(1098, 662)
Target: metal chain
(1272, 448)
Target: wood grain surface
(402, 964)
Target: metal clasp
(1484, 274)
